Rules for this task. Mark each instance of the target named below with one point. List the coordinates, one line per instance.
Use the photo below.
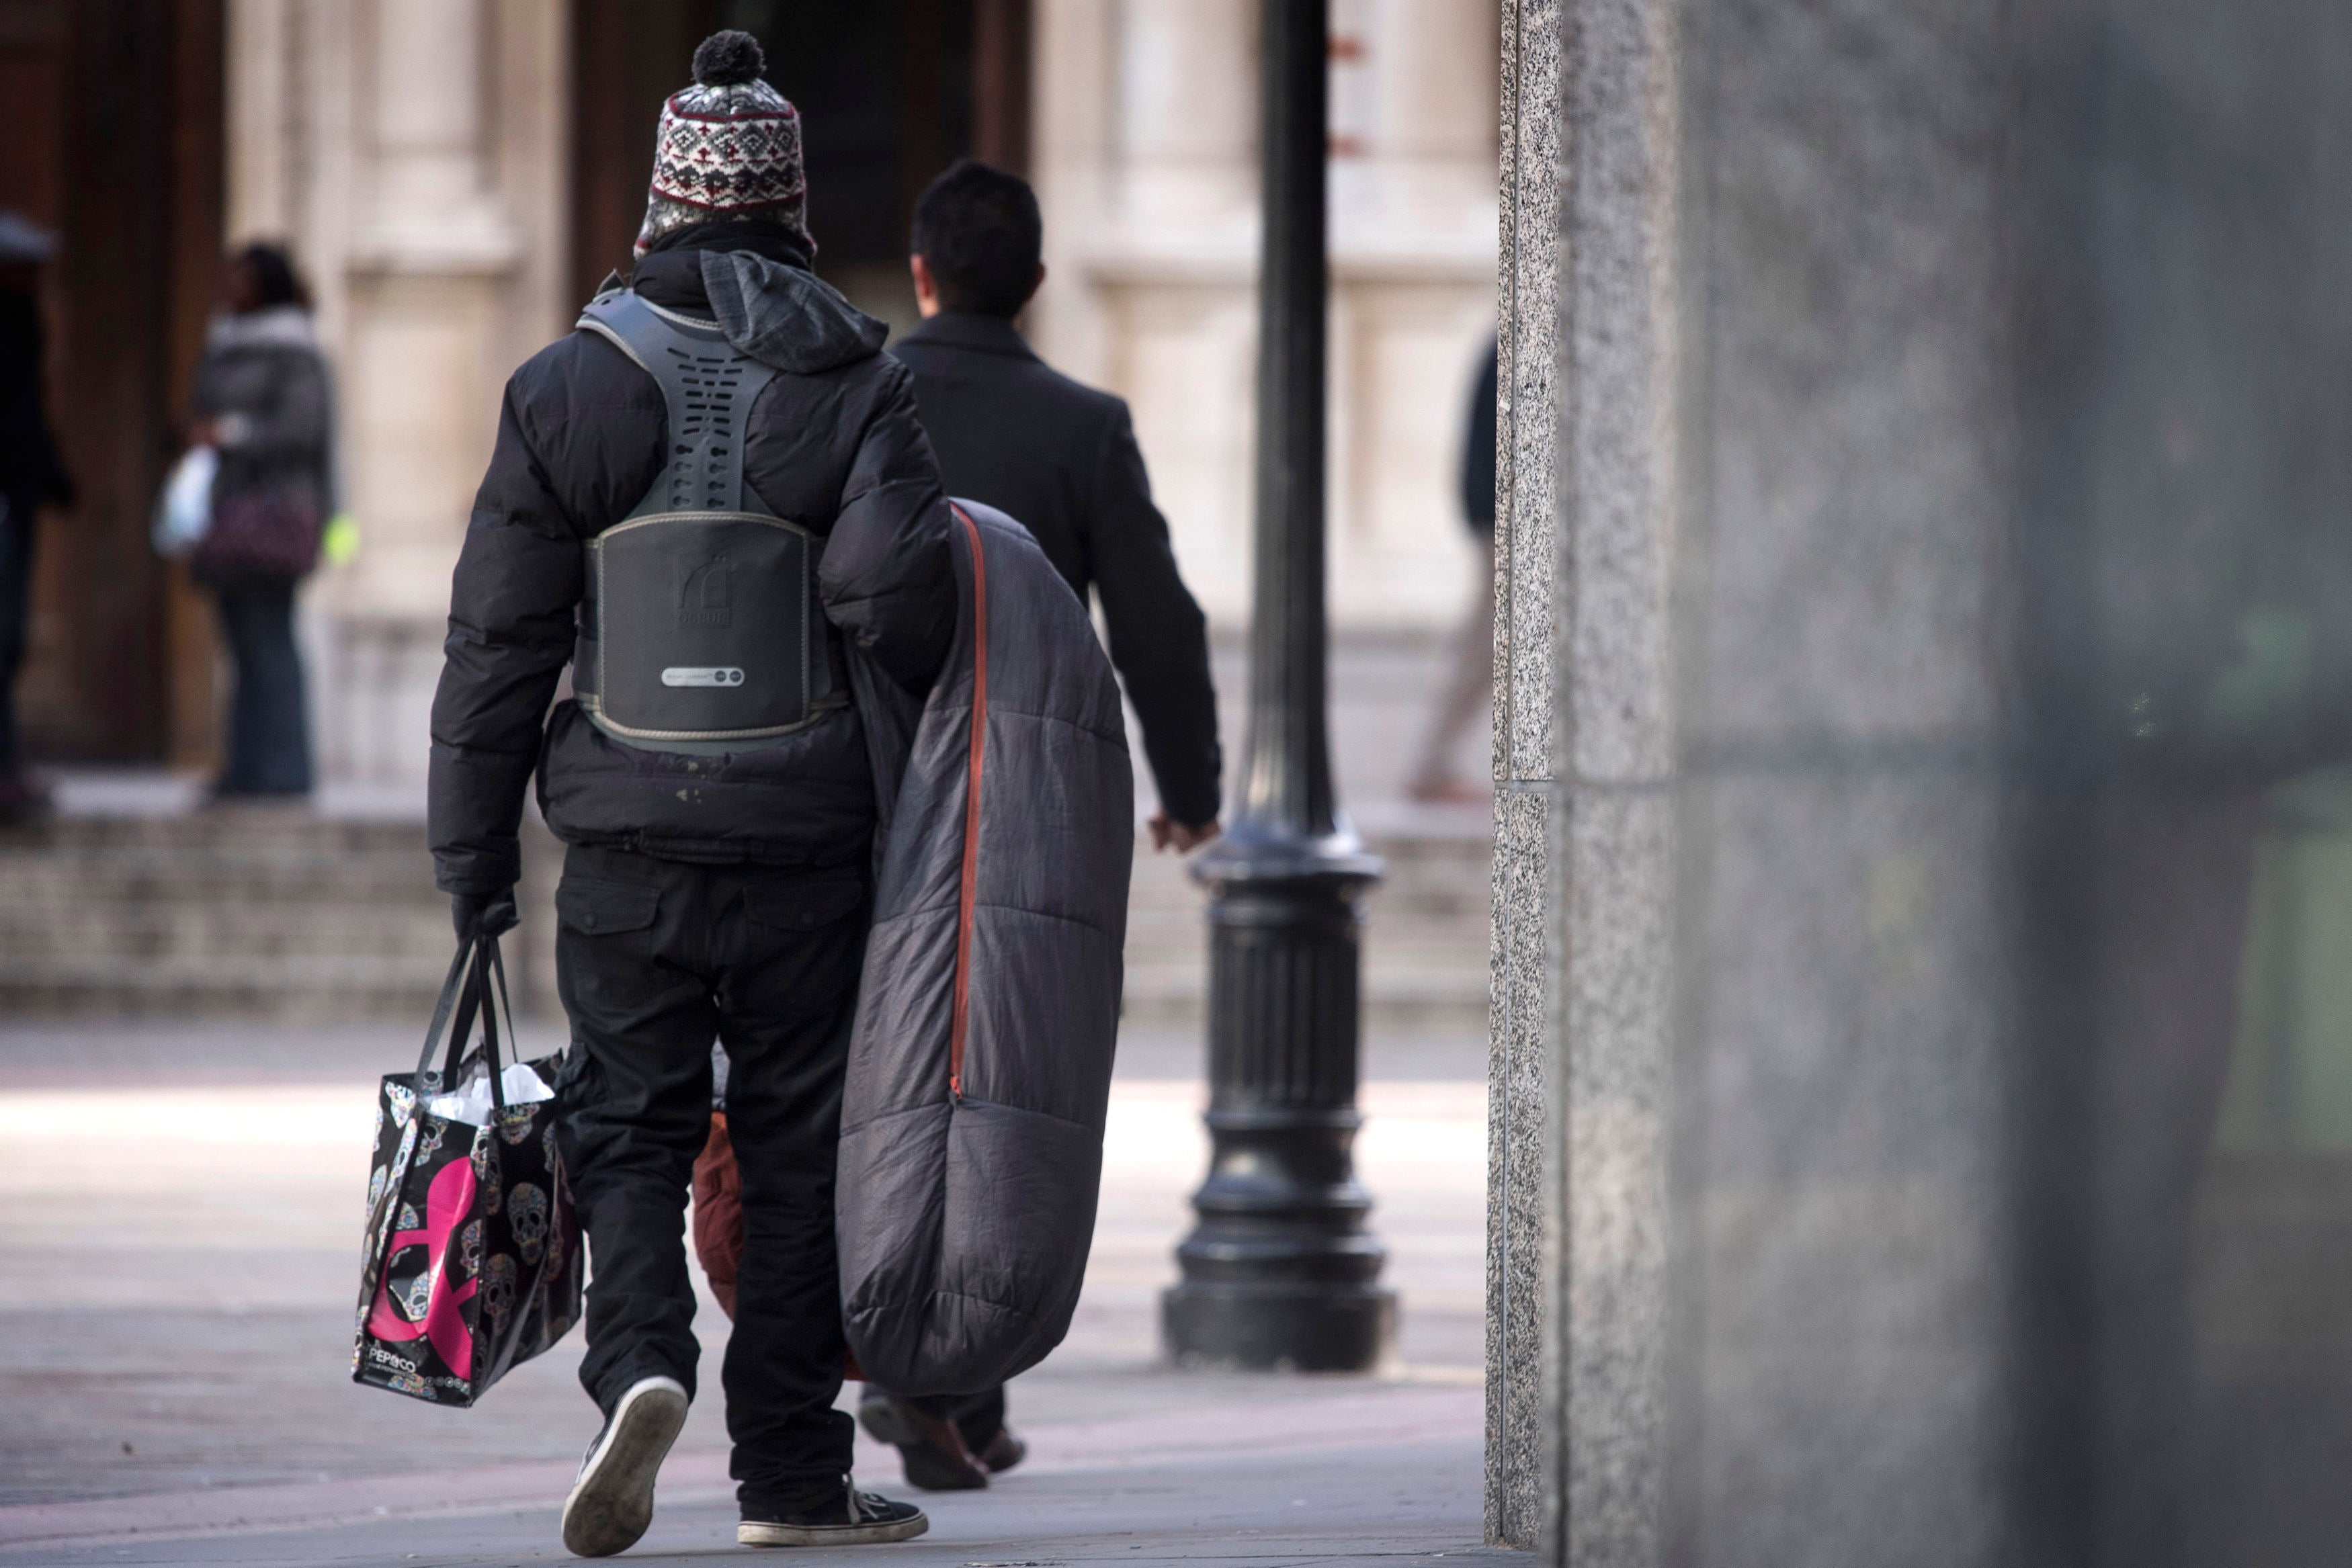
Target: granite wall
(1527, 792)
(1922, 578)
(1583, 759)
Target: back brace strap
(697, 675)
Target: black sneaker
(853, 1519)
(613, 1501)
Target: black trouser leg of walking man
(17, 520)
(951, 1442)
(654, 959)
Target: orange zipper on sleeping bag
(971, 806)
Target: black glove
(482, 914)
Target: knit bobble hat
(728, 147)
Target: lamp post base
(1281, 1271)
(1253, 1327)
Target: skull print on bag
(526, 1217)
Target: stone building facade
(421, 159)
(416, 157)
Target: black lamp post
(1280, 1271)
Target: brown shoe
(1004, 1451)
(930, 1445)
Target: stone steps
(240, 913)
(286, 915)
(1424, 965)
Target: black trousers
(269, 731)
(654, 959)
(18, 521)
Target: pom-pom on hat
(728, 147)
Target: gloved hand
(482, 914)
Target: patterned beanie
(730, 146)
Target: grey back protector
(699, 630)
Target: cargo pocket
(605, 908)
(802, 905)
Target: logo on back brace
(706, 596)
(702, 676)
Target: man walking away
(31, 476)
(1061, 458)
(785, 563)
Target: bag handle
(477, 968)
(489, 966)
(450, 994)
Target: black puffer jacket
(833, 444)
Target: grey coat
(980, 1068)
(263, 379)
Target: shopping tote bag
(473, 1259)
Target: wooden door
(115, 144)
(890, 92)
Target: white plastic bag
(184, 512)
(471, 1103)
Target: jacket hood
(786, 316)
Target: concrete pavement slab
(178, 1224)
(1390, 1500)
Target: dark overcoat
(1012, 430)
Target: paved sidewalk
(178, 1210)
(1384, 1472)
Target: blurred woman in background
(264, 402)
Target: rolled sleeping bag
(980, 1064)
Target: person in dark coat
(719, 891)
(263, 399)
(31, 476)
(1060, 458)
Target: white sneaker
(613, 1501)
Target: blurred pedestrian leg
(1469, 677)
(30, 475)
(268, 729)
(1468, 683)
(17, 796)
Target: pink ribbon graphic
(446, 1203)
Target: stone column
(1187, 117)
(1745, 864)
(1583, 759)
(1412, 119)
(1412, 267)
(1520, 985)
(415, 155)
(428, 273)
